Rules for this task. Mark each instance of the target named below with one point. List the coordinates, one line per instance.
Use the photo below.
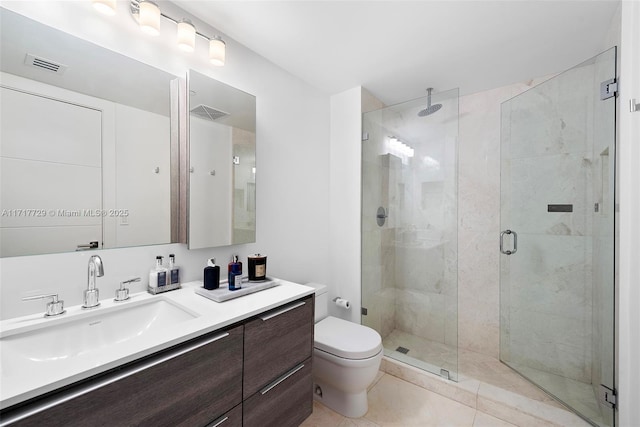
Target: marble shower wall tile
(557, 179)
(420, 268)
(553, 343)
(421, 314)
(552, 119)
(479, 217)
(478, 326)
(381, 311)
(479, 287)
(550, 139)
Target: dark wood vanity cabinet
(189, 389)
(232, 418)
(255, 373)
(286, 403)
(278, 348)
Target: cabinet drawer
(287, 401)
(233, 418)
(190, 389)
(275, 342)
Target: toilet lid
(346, 339)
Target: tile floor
(394, 402)
(403, 395)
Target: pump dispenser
(174, 271)
(235, 274)
(158, 275)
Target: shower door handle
(515, 242)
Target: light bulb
(149, 19)
(217, 48)
(186, 35)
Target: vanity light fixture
(186, 35)
(147, 14)
(149, 17)
(217, 51)
(400, 149)
(107, 7)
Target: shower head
(430, 108)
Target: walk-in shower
(555, 242)
(409, 230)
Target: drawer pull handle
(281, 311)
(219, 422)
(91, 386)
(268, 388)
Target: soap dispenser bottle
(158, 275)
(211, 275)
(235, 274)
(174, 271)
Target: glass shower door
(409, 230)
(557, 240)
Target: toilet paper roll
(342, 303)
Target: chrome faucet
(91, 294)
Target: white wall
(344, 215)
(142, 145)
(292, 156)
(629, 179)
(210, 216)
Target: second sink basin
(90, 331)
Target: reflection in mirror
(222, 168)
(85, 138)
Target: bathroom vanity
(242, 362)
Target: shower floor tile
(431, 356)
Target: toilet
(346, 359)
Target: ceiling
(396, 49)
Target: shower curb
(495, 401)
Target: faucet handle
(122, 294)
(54, 308)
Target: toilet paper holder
(343, 303)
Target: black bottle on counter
(212, 275)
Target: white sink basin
(89, 332)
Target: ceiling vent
(44, 64)
(208, 113)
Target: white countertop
(25, 378)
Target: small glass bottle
(235, 274)
(158, 275)
(174, 271)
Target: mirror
(85, 144)
(222, 164)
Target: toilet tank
(321, 299)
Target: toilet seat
(345, 339)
